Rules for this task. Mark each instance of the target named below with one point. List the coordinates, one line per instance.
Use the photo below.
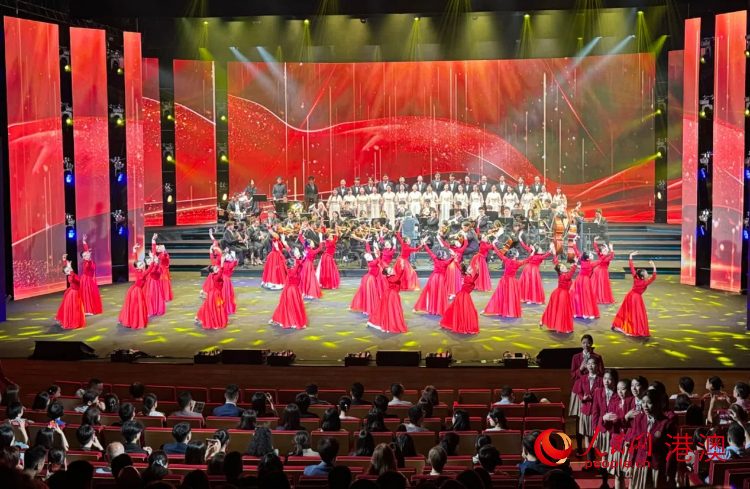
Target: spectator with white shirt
(397, 390)
(89, 398)
(506, 395)
(687, 385)
(114, 449)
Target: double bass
(565, 231)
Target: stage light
(307, 21)
(702, 113)
(169, 199)
(703, 60)
(120, 177)
(658, 195)
(416, 19)
(224, 197)
(223, 118)
(747, 53)
(580, 39)
(745, 234)
(69, 179)
(363, 20)
(120, 122)
(121, 230)
(747, 112)
(67, 67)
(658, 111)
(658, 154)
(170, 118)
(527, 16)
(205, 22)
(224, 158)
(170, 158)
(702, 173)
(71, 234)
(120, 71)
(747, 174)
(702, 230)
(640, 12)
(69, 121)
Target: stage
(691, 327)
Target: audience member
(375, 421)
(686, 386)
(80, 474)
(496, 420)
(186, 404)
(270, 462)
(481, 441)
(247, 420)
(392, 480)
(55, 412)
(302, 400)
(126, 413)
(92, 416)
(345, 403)
(557, 479)
(87, 439)
(8, 437)
(357, 392)
(506, 395)
(233, 468)
(137, 391)
(383, 460)
(223, 438)
(328, 449)
(364, 445)
(406, 445)
(461, 421)
(197, 479)
(41, 401)
(55, 460)
(10, 395)
(381, 404)
(437, 458)
(301, 445)
(450, 443)
(290, 419)
(181, 434)
(229, 409)
(331, 420)
(416, 415)
(215, 464)
(89, 398)
(111, 403)
(340, 477)
(470, 479)
(312, 391)
(114, 449)
(489, 458)
(150, 404)
(33, 461)
(397, 390)
(132, 431)
(262, 443)
(195, 453)
(158, 467)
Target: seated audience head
(7, 435)
(195, 453)
(137, 390)
(41, 401)
(489, 458)
(364, 445)
(461, 421)
(158, 467)
(215, 464)
(132, 431)
(10, 395)
(126, 412)
(741, 390)
(375, 421)
(482, 440)
(92, 416)
(405, 443)
(197, 479)
(687, 385)
(328, 449)
(302, 400)
(119, 463)
(557, 479)
(527, 445)
(274, 480)
(113, 450)
(344, 404)
(80, 474)
(437, 458)
(233, 466)
(381, 403)
(85, 434)
(340, 477)
(223, 437)
(415, 414)
(496, 418)
(258, 403)
(270, 462)
(247, 420)
(681, 403)
(694, 416)
(33, 460)
(150, 404)
(184, 400)
(181, 432)
(311, 389)
(431, 393)
(56, 459)
(506, 393)
(397, 390)
(530, 398)
(54, 391)
(427, 406)
(290, 418)
(392, 480)
(331, 420)
(14, 410)
(383, 460)
(357, 391)
(450, 443)
(111, 403)
(232, 393)
(45, 437)
(470, 479)
(262, 443)
(736, 435)
(301, 443)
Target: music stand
(259, 197)
(493, 215)
(588, 231)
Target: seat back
(467, 441)
(546, 409)
(342, 437)
(359, 411)
(474, 410)
(515, 423)
(239, 440)
(350, 461)
(73, 455)
(112, 434)
(423, 442)
(382, 437)
(717, 470)
(69, 402)
(512, 410)
(552, 394)
(151, 421)
(416, 463)
(287, 396)
(734, 477)
(198, 393)
(195, 423)
(475, 396)
(122, 391)
(283, 441)
(351, 425)
(221, 423)
(310, 424)
(435, 425)
(331, 396)
(477, 424)
(271, 423)
(465, 461)
(68, 388)
(156, 437)
(506, 442)
(533, 482)
(162, 392)
(550, 423)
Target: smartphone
(212, 441)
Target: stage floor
(690, 327)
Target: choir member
(434, 297)
(415, 201)
(290, 313)
(600, 279)
(652, 435)
(476, 201)
(134, 312)
(494, 200)
(92, 300)
(615, 423)
(632, 318)
(71, 314)
(584, 300)
(605, 402)
(578, 368)
(461, 316)
(389, 314)
(446, 203)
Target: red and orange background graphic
(586, 124)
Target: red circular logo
(544, 450)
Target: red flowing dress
(154, 292)
(290, 313)
(387, 256)
(215, 261)
(389, 315)
(506, 300)
(632, 318)
(227, 289)
(134, 312)
(479, 264)
(530, 283)
(584, 300)
(600, 279)
(92, 300)
(461, 316)
(558, 315)
(434, 297)
(328, 272)
(453, 275)
(71, 313)
(371, 288)
(409, 281)
(309, 280)
(213, 313)
(274, 271)
(166, 278)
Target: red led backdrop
(35, 156)
(134, 138)
(88, 60)
(153, 204)
(674, 136)
(195, 142)
(690, 149)
(729, 149)
(337, 121)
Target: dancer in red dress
(461, 316)
(530, 283)
(166, 278)
(370, 290)
(274, 271)
(227, 289)
(558, 316)
(389, 250)
(453, 271)
(600, 278)
(71, 314)
(584, 300)
(479, 265)
(309, 280)
(389, 315)
(215, 254)
(92, 300)
(213, 313)
(134, 312)
(506, 300)
(409, 281)
(328, 273)
(153, 289)
(290, 313)
(434, 297)
(632, 318)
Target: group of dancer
(447, 292)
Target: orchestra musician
(437, 183)
(483, 221)
(279, 190)
(311, 192)
(603, 224)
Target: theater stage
(690, 327)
